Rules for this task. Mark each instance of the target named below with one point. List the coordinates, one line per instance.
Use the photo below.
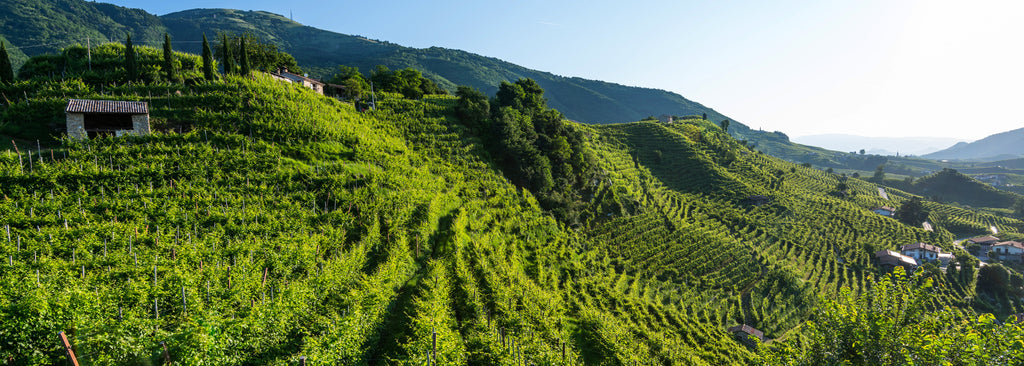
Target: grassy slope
(374, 230)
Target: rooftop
(106, 106)
(925, 246)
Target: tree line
(352, 84)
(534, 146)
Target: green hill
(35, 27)
(287, 224)
(1001, 146)
(263, 222)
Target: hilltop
(1001, 146)
(320, 52)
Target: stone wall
(76, 126)
(140, 123)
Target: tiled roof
(747, 329)
(928, 247)
(886, 256)
(296, 77)
(983, 239)
(106, 106)
(886, 208)
(1014, 244)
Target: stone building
(90, 118)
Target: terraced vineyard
(267, 223)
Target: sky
(935, 68)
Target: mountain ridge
(1001, 146)
(909, 145)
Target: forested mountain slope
(33, 27)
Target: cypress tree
(207, 59)
(6, 70)
(229, 62)
(245, 58)
(130, 66)
(169, 59)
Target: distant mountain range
(878, 145)
(1001, 146)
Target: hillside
(34, 27)
(286, 224)
(949, 185)
(1001, 146)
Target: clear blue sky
(867, 67)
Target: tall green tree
(912, 212)
(879, 176)
(226, 57)
(724, 125)
(1018, 208)
(169, 70)
(244, 62)
(131, 66)
(472, 107)
(6, 70)
(207, 59)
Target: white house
(923, 252)
(303, 80)
(1009, 250)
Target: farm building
(743, 333)
(984, 240)
(1009, 250)
(90, 118)
(284, 75)
(889, 259)
(922, 252)
(885, 211)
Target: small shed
(759, 200)
(885, 211)
(743, 333)
(90, 118)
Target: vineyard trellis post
(67, 348)
(167, 355)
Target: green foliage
(473, 107)
(244, 68)
(409, 82)
(892, 324)
(879, 175)
(249, 52)
(354, 85)
(227, 58)
(108, 65)
(170, 74)
(131, 66)
(912, 212)
(536, 148)
(208, 63)
(6, 70)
